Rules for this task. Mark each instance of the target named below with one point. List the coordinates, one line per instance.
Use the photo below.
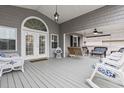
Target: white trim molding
(64, 35)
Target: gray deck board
(4, 81)
(61, 73)
(11, 83)
(25, 83)
(0, 82)
(35, 78)
(49, 78)
(58, 80)
(30, 80)
(17, 81)
(53, 73)
(66, 80)
(41, 77)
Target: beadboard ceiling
(66, 12)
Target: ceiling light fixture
(56, 15)
(95, 31)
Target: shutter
(78, 41)
(71, 41)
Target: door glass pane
(42, 44)
(29, 45)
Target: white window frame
(10, 39)
(53, 40)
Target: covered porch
(54, 73)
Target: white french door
(42, 45)
(34, 45)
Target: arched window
(35, 24)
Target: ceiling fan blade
(100, 32)
(102, 35)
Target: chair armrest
(105, 53)
(92, 50)
(113, 51)
(88, 51)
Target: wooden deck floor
(52, 73)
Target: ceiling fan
(94, 32)
(97, 32)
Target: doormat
(38, 60)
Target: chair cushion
(97, 52)
(106, 72)
(13, 62)
(2, 55)
(100, 49)
(121, 50)
(12, 55)
(58, 50)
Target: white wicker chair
(17, 63)
(10, 63)
(5, 67)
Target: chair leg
(93, 74)
(22, 69)
(1, 71)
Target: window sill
(8, 51)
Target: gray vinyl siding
(107, 15)
(13, 16)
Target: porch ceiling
(66, 12)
